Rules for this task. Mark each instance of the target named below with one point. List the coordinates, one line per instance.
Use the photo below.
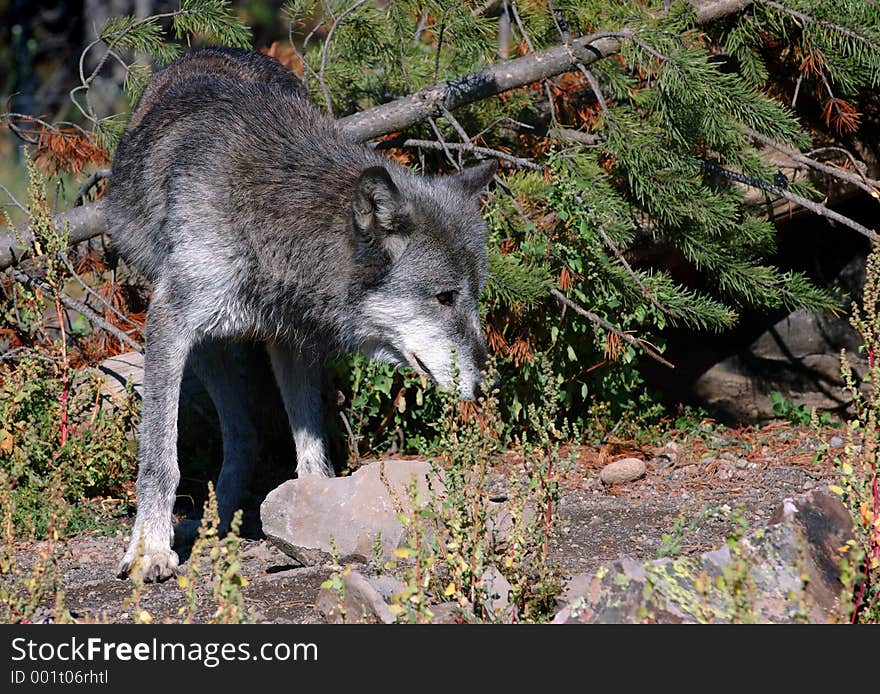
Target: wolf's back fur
(228, 63)
(256, 219)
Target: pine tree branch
(88, 220)
(605, 325)
(807, 19)
(646, 293)
(494, 79)
(857, 179)
(501, 77)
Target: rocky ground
(692, 491)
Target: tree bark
(83, 223)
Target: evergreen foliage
(664, 117)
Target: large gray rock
(798, 357)
(309, 516)
(786, 572)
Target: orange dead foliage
(813, 64)
(285, 55)
(496, 340)
(841, 115)
(520, 352)
(67, 149)
(508, 245)
(565, 281)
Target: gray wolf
(257, 220)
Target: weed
(455, 534)
(799, 415)
(859, 465)
(27, 586)
(671, 542)
(223, 556)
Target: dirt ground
(705, 480)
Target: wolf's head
(424, 243)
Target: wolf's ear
(376, 203)
(474, 179)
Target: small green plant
(336, 581)
(671, 542)
(27, 586)
(534, 502)
(223, 556)
(56, 420)
(455, 536)
(421, 555)
(800, 415)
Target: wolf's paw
(154, 565)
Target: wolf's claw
(154, 566)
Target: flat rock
(120, 370)
(791, 570)
(624, 470)
(311, 518)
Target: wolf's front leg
(299, 379)
(167, 345)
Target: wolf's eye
(446, 298)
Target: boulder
(311, 518)
(799, 357)
(786, 572)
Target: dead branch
(605, 325)
(857, 178)
(83, 222)
(467, 147)
(80, 308)
(89, 183)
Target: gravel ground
(706, 481)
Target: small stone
(625, 470)
(742, 464)
(446, 613)
(497, 593)
(836, 442)
(359, 602)
(670, 453)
